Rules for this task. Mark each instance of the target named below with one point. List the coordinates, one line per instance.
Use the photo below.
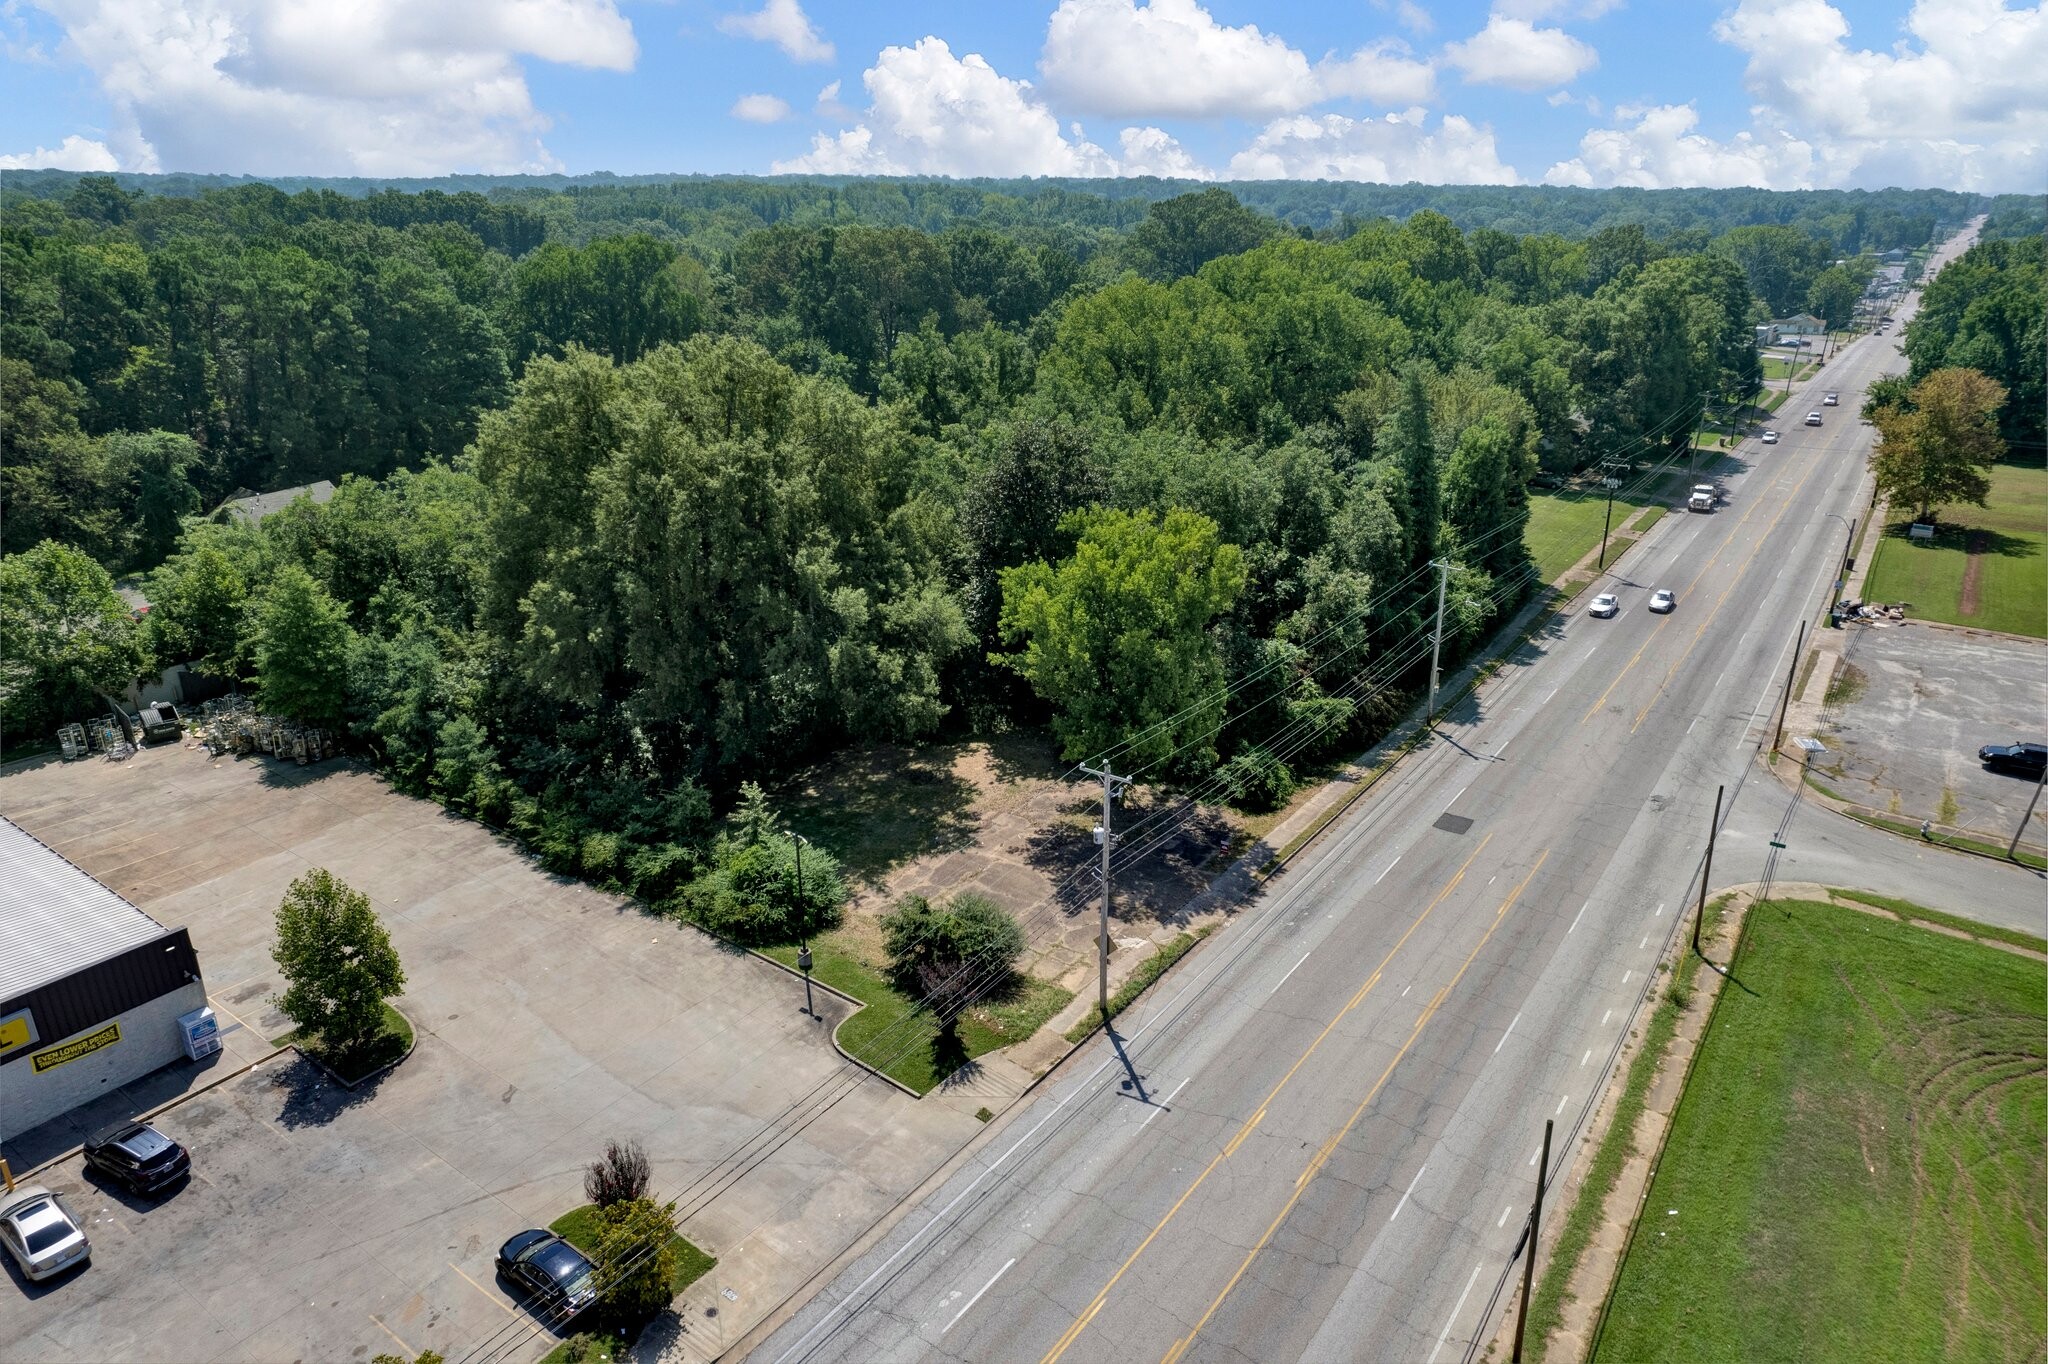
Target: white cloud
(1382, 72)
(1962, 102)
(1547, 9)
(828, 105)
(376, 87)
(1153, 151)
(1515, 53)
(74, 153)
(1168, 57)
(783, 23)
(1390, 150)
(760, 108)
(931, 113)
(1662, 149)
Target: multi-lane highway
(1317, 1141)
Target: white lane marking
(1590, 653)
(977, 1297)
(1504, 1215)
(1504, 1036)
(1290, 973)
(1161, 1106)
(1561, 1103)
(1695, 720)
(1660, 912)
(1454, 799)
(1644, 943)
(1535, 1153)
(1404, 1197)
(1553, 692)
(1625, 975)
(1389, 867)
(1406, 988)
(1454, 1313)
(1578, 916)
(1604, 1017)
(1504, 747)
(1491, 879)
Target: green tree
(66, 638)
(635, 1256)
(160, 465)
(1833, 295)
(1179, 236)
(303, 641)
(951, 954)
(1011, 510)
(1937, 453)
(1410, 441)
(1117, 637)
(337, 962)
(198, 610)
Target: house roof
(256, 506)
(54, 919)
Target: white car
(1813, 419)
(1662, 602)
(1769, 438)
(43, 1238)
(1605, 605)
(1832, 400)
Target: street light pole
(803, 951)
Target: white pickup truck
(1705, 497)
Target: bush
(633, 1283)
(598, 858)
(752, 897)
(954, 953)
(337, 961)
(620, 1175)
(1256, 779)
(655, 873)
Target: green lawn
(2011, 538)
(894, 1037)
(1565, 528)
(1855, 1169)
(580, 1228)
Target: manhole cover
(1453, 824)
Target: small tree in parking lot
(337, 961)
(620, 1175)
(635, 1257)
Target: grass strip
(1589, 1207)
(388, 1046)
(1149, 971)
(1906, 909)
(2023, 857)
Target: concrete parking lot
(328, 1224)
(1905, 727)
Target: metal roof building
(93, 992)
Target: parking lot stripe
(404, 1349)
(481, 1289)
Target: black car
(137, 1156)
(2024, 760)
(553, 1273)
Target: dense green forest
(647, 489)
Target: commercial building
(93, 992)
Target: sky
(1783, 94)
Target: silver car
(40, 1234)
(1604, 605)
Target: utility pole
(803, 951)
(1692, 452)
(1707, 871)
(1436, 643)
(1848, 561)
(1535, 1230)
(1607, 477)
(1785, 702)
(1112, 785)
(2012, 849)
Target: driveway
(329, 1224)
(1904, 733)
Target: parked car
(1813, 419)
(138, 1157)
(556, 1277)
(41, 1235)
(1662, 602)
(1604, 605)
(1770, 438)
(161, 721)
(2024, 760)
(1832, 400)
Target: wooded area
(647, 490)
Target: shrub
(1256, 779)
(752, 897)
(953, 953)
(655, 873)
(598, 857)
(620, 1174)
(337, 961)
(632, 1282)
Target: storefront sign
(71, 1051)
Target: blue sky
(1780, 93)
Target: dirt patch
(1966, 600)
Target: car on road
(1769, 438)
(1813, 419)
(137, 1157)
(1605, 605)
(556, 1277)
(44, 1238)
(1662, 602)
(1832, 400)
(2022, 760)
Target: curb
(331, 1073)
(857, 1004)
(1794, 779)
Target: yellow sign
(71, 1051)
(15, 1031)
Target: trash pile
(232, 724)
(1869, 612)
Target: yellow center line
(1733, 582)
(1329, 1148)
(1073, 1332)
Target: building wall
(149, 1039)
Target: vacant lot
(1855, 1169)
(1988, 566)
(1565, 527)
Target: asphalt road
(1318, 1141)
